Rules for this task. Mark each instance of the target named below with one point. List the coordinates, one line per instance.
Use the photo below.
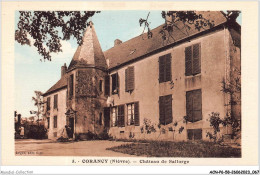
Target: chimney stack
(63, 70)
(117, 42)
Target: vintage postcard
(129, 83)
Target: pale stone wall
(59, 112)
(148, 89)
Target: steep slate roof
(62, 83)
(89, 53)
(141, 45)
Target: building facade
(151, 88)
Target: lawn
(177, 149)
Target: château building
(149, 88)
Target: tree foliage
(48, 28)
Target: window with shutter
(192, 60)
(136, 114)
(194, 105)
(114, 116)
(55, 106)
(121, 116)
(71, 86)
(48, 103)
(165, 73)
(165, 109)
(129, 79)
(55, 121)
(115, 83)
(107, 85)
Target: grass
(177, 149)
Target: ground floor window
(130, 114)
(55, 121)
(165, 109)
(194, 134)
(114, 116)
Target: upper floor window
(55, 104)
(194, 105)
(129, 79)
(115, 83)
(165, 109)
(193, 60)
(48, 103)
(71, 86)
(165, 73)
(133, 114)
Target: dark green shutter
(131, 78)
(161, 110)
(196, 59)
(161, 68)
(188, 61)
(107, 85)
(168, 72)
(121, 116)
(126, 80)
(136, 113)
(197, 134)
(168, 109)
(197, 105)
(189, 106)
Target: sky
(32, 74)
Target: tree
(39, 103)
(48, 28)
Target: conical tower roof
(89, 53)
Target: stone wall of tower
(88, 100)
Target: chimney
(63, 70)
(117, 42)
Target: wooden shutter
(55, 101)
(168, 109)
(136, 113)
(190, 134)
(161, 68)
(121, 116)
(168, 72)
(126, 80)
(48, 103)
(196, 105)
(161, 110)
(189, 106)
(188, 61)
(196, 59)
(131, 78)
(107, 85)
(197, 134)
